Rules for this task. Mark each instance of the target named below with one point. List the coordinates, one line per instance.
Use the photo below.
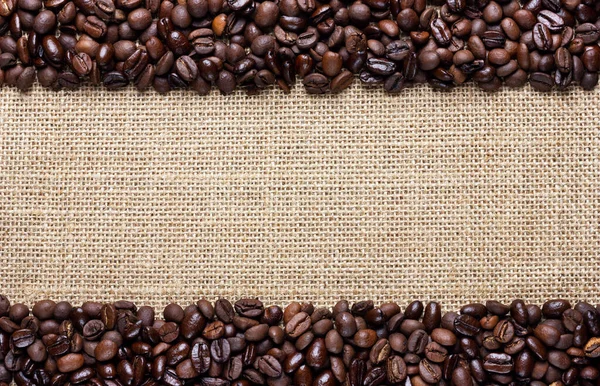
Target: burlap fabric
(455, 196)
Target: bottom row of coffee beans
(247, 343)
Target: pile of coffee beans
(198, 44)
(248, 343)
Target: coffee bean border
(246, 343)
(198, 44)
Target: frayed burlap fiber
(453, 197)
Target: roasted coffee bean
(224, 310)
(187, 70)
(504, 331)
(381, 66)
(430, 372)
(220, 350)
(592, 348)
(269, 366)
(301, 322)
(44, 22)
(94, 328)
(467, 325)
(440, 31)
(541, 81)
(365, 338)
(70, 362)
(417, 342)
(498, 363)
(542, 37)
(22, 338)
(394, 83)
(105, 350)
(428, 60)
(332, 63)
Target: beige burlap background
(450, 196)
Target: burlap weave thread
(455, 196)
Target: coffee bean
(220, 350)
(592, 348)
(430, 372)
(541, 81)
(70, 362)
(301, 322)
(394, 83)
(269, 366)
(257, 333)
(440, 32)
(224, 310)
(428, 60)
(498, 56)
(332, 63)
(381, 66)
(44, 22)
(498, 363)
(365, 338)
(467, 325)
(24, 83)
(417, 342)
(25, 337)
(542, 37)
(547, 334)
(187, 70)
(559, 359)
(94, 328)
(380, 351)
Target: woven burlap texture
(452, 197)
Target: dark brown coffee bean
(588, 33)
(394, 83)
(365, 338)
(440, 32)
(22, 338)
(44, 22)
(105, 350)
(430, 372)
(24, 82)
(269, 366)
(397, 50)
(257, 333)
(433, 315)
(504, 331)
(94, 328)
(202, 40)
(187, 69)
(417, 342)
(332, 63)
(192, 323)
(490, 39)
(301, 322)
(541, 81)
(592, 348)
(428, 60)
(224, 310)
(220, 351)
(7, 7)
(559, 359)
(547, 334)
(498, 363)
(70, 362)
(467, 325)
